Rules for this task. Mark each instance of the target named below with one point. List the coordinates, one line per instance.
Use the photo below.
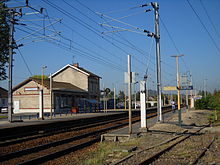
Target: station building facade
(72, 87)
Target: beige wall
(29, 100)
(74, 77)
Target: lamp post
(42, 77)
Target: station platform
(123, 133)
(27, 121)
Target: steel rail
(60, 142)
(57, 143)
(63, 130)
(203, 152)
(168, 148)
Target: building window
(64, 102)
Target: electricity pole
(12, 45)
(178, 86)
(157, 39)
(11, 40)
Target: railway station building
(73, 89)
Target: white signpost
(143, 106)
(41, 104)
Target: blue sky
(106, 54)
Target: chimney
(76, 64)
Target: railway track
(28, 131)
(59, 147)
(50, 145)
(164, 153)
(42, 134)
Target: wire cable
(210, 20)
(28, 68)
(203, 25)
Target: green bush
(201, 104)
(212, 101)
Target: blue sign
(185, 87)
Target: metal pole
(129, 94)
(51, 96)
(191, 94)
(147, 94)
(114, 99)
(205, 86)
(187, 98)
(157, 39)
(10, 108)
(125, 98)
(135, 98)
(42, 92)
(178, 87)
(178, 94)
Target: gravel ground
(185, 152)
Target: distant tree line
(211, 101)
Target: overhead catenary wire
(209, 18)
(126, 53)
(113, 63)
(132, 45)
(26, 64)
(97, 23)
(81, 36)
(82, 52)
(203, 25)
(86, 25)
(82, 23)
(173, 42)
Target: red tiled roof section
(59, 85)
(55, 85)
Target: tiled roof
(80, 69)
(56, 85)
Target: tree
(4, 40)
(121, 95)
(45, 77)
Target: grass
(3, 117)
(108, 151)
(213, 116)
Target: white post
(143, 106)
(51, 96)
(41, 113)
